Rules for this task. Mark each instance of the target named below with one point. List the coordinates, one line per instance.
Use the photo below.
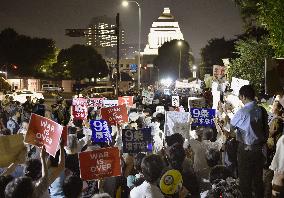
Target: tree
(79, 62)
(168, 59)
(214, 52)
(25, 53)
(250, 63)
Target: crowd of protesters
(241, 157)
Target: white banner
(177, 122)
(182, 84)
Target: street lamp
(125, 4)
(179, 63)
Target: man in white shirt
(152, 167)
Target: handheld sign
(175, 101)
(135, 141)
(43, 131)
(202, 117)
(167, 92)
(115, 115)
(125, 100)
(95, 102)
(100, 163)
(79, 108)
(110, 103)
(10, 147)
(100, 131)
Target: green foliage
(168, 59)
(79, 62)
(214, 52)
(27, 53)
(272, 18)
(250, 63)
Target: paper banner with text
(237, 83)
(79, 108)
(175, 101)
(115, 115)
(182, 85)
(147, 101)
(125, 100)
(160, 109)
(110, 103)
(43, 131)
(135, 141)
(100, 131)
(10, 147)
(177, 122)
(202, 116)
(95, 102)
(100, 163)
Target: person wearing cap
(171, 184)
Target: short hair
(207, 133)
(19, 187)
(247, 91)
(152, 166)
(4, 180)
(138, 160)
(218, 173)
(174, 138)
(72, 186)
(176, 155)
(212, 157)
(33, 169)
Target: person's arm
(55, 171)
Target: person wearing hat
(171, 184)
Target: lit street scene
(142, 99)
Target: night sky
(199, 20)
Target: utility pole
(117, 54)
(85, 32)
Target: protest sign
(202, 117)
(147, 101)
(175, 101)
(110, 103)
(237, 83)
(218, 71)
(177, 122)
(100, 131)
(125, 100)
(79, 108)
(95, 102)
(196, 102)
(160, 109)
(167, 92)
(43, 131)
(10, 148)
(115, 115)
(100, 163)
(135, 141)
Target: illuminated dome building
(164, 29)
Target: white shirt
(146, 190)
(277, 163)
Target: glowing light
(125, 3)
(166, 82)
(179, 43)
(194, 67)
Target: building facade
(164, 29)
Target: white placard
(183, 85)
(175, 101)
(196, 102)
(160, 109)
(237, 83)
(167, 92)
(110, 103)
